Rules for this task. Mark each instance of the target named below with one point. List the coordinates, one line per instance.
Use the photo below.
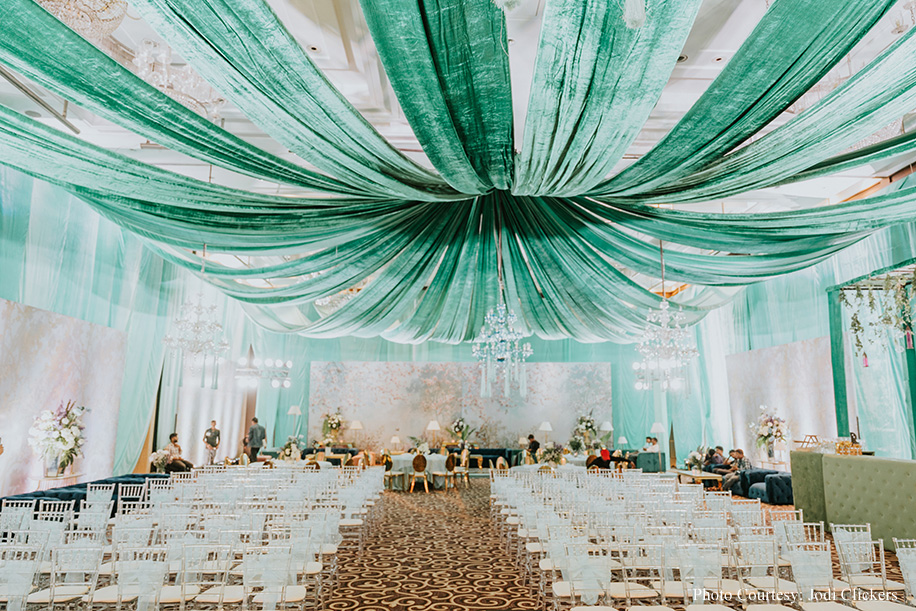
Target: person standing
(211, 441)
(256, 436)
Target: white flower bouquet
(59, 434)
(291, 449)
(159, 459)
(769, 428)
(551, 452)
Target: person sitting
(726, 466)
(176, 462)
(651, 445)
(533, 446)
(712, 460)
(740, 464)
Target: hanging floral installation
(881, 306)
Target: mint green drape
(241, 48)
(58, 255)
(794, 45)
(448, 62)
(596, 80)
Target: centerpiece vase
(771, 451)
(51, 465)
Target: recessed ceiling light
(313, 48)
(681, 58)
(718, 59)
(33, 113)
(511, 41)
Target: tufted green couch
(855, 490)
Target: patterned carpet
(432, 552)
(438, 552)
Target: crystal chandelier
(92, 19)
(181, 83)
(251, 371)
(666, 346)
(498, 349)
(196, 334)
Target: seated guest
(713, 459)
(739, 464)
(533, 446)
(651, 445)
(176, 462)
(726, 466)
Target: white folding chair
(18, 569)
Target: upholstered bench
(775, 489)
(748, 478)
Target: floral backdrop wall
(46, 359)
(400, 398)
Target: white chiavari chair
(18, 572)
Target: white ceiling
(334, 33)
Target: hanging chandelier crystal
(251, 372)
(92, 19)
(197, 335)
(499, 351)
(666, 345)
(181, 83)
(666, 348)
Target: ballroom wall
(793, 379)
(47, 358)
(400, 398)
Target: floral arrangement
(159, 459)
(290, 450)
(576, 443)
(769, 429)
(551, 452)
(331, 427)
(423, 448)
(59, 434)
(695, 459)
(585, 427)
(462, 429)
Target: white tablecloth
(578, 460)
(403, 463)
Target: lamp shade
(433, 426)
(294, 411)
(657, 428)
(622, 441)
(395, 440)
(545, 426)
(606, 426)
(356, 425)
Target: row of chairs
(586, 539)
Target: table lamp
(606, 426)
(396, 442)
(356, 425)
(545, 428)
(295, 412)
(434, 428)
(622, 441)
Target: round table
(576, 459)
(403, 463)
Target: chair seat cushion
(109, 595)
(232, 595)
(880, 605)
(765, 584)
(61, 594)
(351, 522)
(294, 594)
(873, 582)
(171, 595)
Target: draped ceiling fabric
(548, 228)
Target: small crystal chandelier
(251, 371)
(498, 349)
(666, 346)
(91, 19)
(181, 83)
(197, 335)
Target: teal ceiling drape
(548, 229)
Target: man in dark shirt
(211, 441)
(256, 436)
(533, 446)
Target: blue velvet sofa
(771, 487)
(77, 492)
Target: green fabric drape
(242, 49)
(448, 62)
(792, 48)
(596, 80)
(57, 255)
(83, 74)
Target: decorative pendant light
(666, 345)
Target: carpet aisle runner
(432, 552)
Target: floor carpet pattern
(432, 552)
(439, 552)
